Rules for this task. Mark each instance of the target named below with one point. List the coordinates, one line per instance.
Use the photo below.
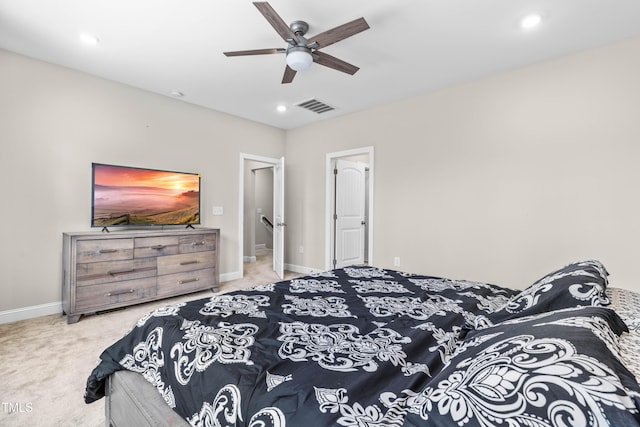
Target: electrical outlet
(218, 210)
(300, 249)
(396, 261)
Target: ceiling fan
(301, 52)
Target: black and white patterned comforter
(363, 346)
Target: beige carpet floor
(44, 363)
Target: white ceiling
(412, 47)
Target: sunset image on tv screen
(134, 196)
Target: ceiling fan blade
(275, 20)
(255, 52)
(333, 62)
(289, 74)
(340, 32)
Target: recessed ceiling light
(177, 94)
(89, 39)
(281, 108)
(531, 21)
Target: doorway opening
(349, 208)
(261, 219)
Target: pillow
(579, 284)
(557, 368)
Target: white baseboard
(300, 269)
(249, 259)
(261, 245)
(227, 277)
(25, 313)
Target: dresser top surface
(138, 233)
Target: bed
(364, 346)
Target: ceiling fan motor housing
(299, 28)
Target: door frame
(252, 157)
(278, 218)
(329, 200)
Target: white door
(278, 218)
(349, 213)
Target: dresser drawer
(94, 273)
(104, 250)
(185, 262)
(155, 246)
(114, 294)
(189, 281)
(197, 243)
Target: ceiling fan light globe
(299, 60)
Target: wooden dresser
(102, 271)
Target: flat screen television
(130, 196)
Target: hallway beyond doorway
(261, 271)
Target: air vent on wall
(316, 106)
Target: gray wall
(264, 202)
(257, 194)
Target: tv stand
(105, 230)
(102, 271)
(189, 226)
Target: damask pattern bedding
(362, 346)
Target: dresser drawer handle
(198, 243)
(188, 262)
(112, 294)
(182, 282)
(158, 247)
(107, 251)
(124, 271)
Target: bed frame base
(131, 401)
